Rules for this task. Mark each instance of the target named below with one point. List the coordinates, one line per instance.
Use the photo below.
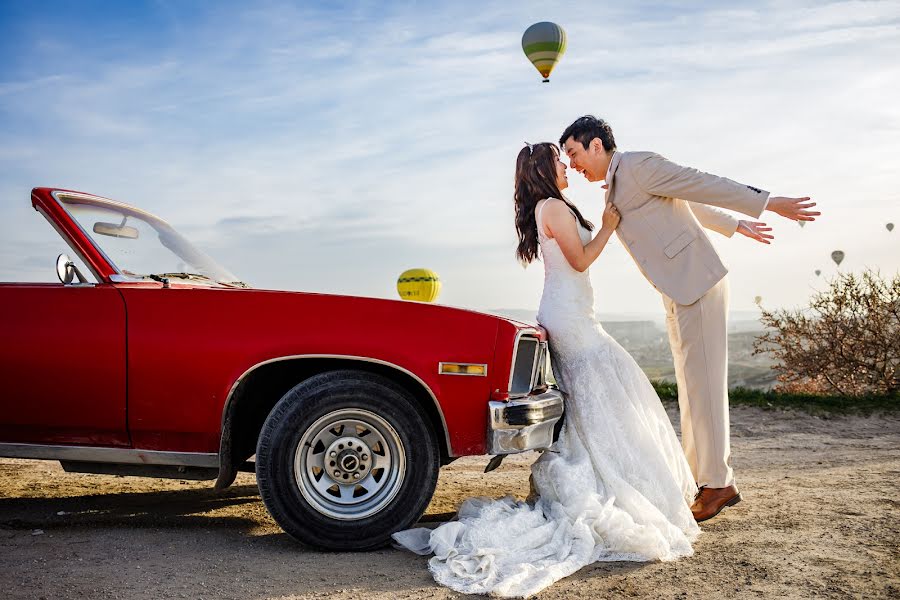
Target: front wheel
(345, 459)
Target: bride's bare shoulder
(553, 204)
(557, 209)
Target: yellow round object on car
(421, 285)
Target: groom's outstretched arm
(714, 219)
(661, 177)
(724, 223)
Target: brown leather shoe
(710, 501)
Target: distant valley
(644, 336)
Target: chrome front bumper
(524, 423)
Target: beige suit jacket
(664, 208)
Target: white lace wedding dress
(615, 487)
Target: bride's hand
(611, 217)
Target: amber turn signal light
(462, 369)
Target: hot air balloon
(837, 256)
(818, 272)
(801, 223)
(421, 285)
(544, 44)
(890, 226)
(758, 300)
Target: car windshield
(141, 245)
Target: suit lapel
(612, 175)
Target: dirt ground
(820, 519)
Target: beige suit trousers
(698, 335)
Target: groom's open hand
(796, 209)
(756, 231)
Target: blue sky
(328, 149)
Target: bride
(616, 486)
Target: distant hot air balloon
(837, 256)
(890, 226)
(801, 223)
(758, 300)
(421, 285)
(818, 272)
(544, 44)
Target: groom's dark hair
(586, 128)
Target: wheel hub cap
(350, 464)
(348, 458)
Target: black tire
(294, 491)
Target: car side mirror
(116, 230)
(67, 271)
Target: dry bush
(847, 341)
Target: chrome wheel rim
(349, 464)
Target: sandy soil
(821, 518)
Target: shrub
(847, 341)
(823, 405)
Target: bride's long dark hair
(535, 181)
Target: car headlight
(528, 366)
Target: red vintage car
(160, 362)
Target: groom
(664, 208)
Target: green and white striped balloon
(544, 44)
